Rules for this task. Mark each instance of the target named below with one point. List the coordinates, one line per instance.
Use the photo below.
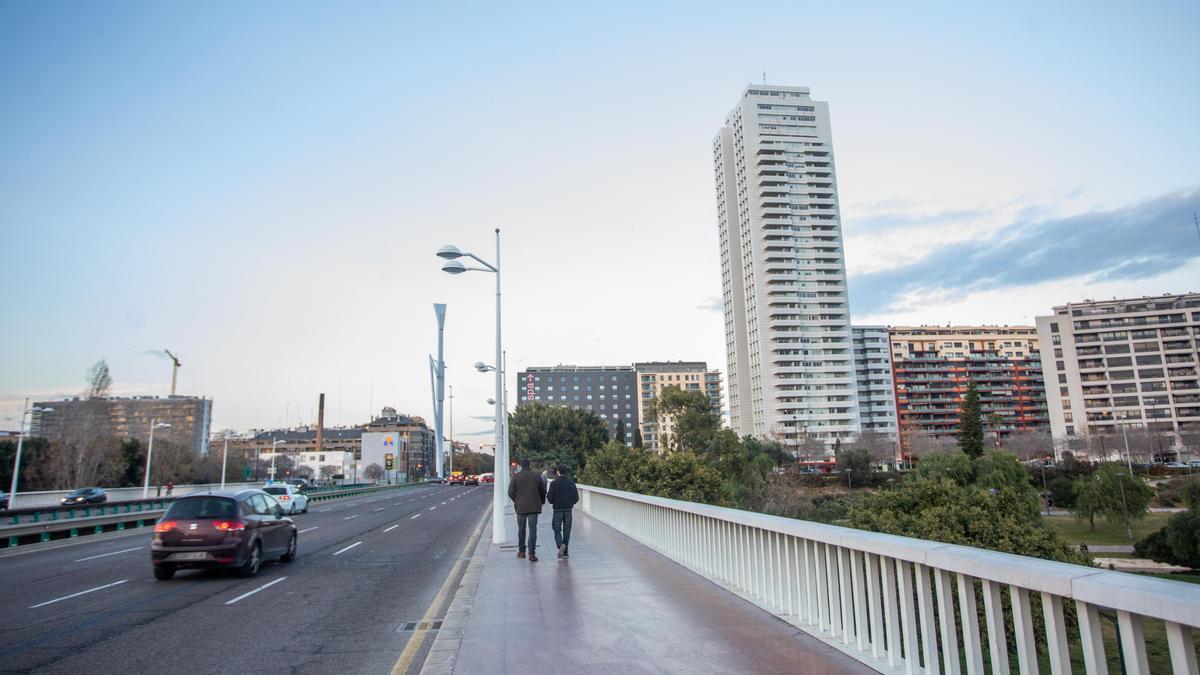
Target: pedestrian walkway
(614, 607)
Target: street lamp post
(274, 444)
(453, 266)
(12, 491)
(154, 424)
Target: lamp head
(449, 252)
(491, 401)
(454, 267)
(482, 367)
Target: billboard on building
(376, 445)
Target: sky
(261, 187)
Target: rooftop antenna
(175, 366)
(765, 80)
(1197, 222)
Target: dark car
(236, 530)
(471, 480)
(91, 495)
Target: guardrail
(26, 500)
(77, 521)
(908, 605)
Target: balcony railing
(890, 602)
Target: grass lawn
(1189, 578)
(1076, 531)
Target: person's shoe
(520, 554)
(562, 550)
(532, 558)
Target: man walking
(562, 497)
(528, 493)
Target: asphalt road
(366, 566)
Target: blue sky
(260, 187)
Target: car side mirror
(278, 511)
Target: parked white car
(289, 497)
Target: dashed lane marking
(348, 548)
(392, 528)
(105, 555)
(243, 596)
(76, 595)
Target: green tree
(637, 437)
(1114, 495)
(549, 435)
(619, 467)
(857, 461)
(970, 423)
(619, 436)
(695, 423)
(951, 465)
(133, 460)
(683, 476)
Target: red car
(487, 478)
(223, 529)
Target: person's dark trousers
(562, 528)
(530, 520)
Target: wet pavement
(616, 606)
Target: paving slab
(616, 606)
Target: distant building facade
(1132, 363)
(876, 387)
(608, 391)
(190, 418)
(933, 365)
(653, 377)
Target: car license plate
(195, 555)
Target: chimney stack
(320, 423)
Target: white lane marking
(76, 595)
(352, 504)
(348, 548)
(443, 503)
(349, 517)
(392, 528)
(102, 555)
(433, 508)
(378, 509)
(309, 529)
(415, 517)
(246, 595)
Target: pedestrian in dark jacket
(562, 497)
(528, 493)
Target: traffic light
(387, 461)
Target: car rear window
(200, 508)
(275, 490)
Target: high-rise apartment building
(189, 417)
(933, 365)
(783, 272)
(608, 391)
(1123, 363)
(654, 376)
(876, 389)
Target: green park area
(1077, 531)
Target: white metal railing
(907, 605)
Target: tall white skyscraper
(783, 270)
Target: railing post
(860, 599)
(993, 609)
(929, 630)
(1133, 643)
(1056, 634)
(1023, 631)
(875, 605)
(1183, 648)
(1092, 638)
(822, 588)
(908, 616)
(972, 645)
(847, 591)
(944, 584)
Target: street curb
(443, 653)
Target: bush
(1178, 543)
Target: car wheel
(291, 550)
(164, 572)
(252, 562)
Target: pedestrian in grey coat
(527, 490)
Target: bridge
(403, 581)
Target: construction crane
(174, 368)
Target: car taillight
(165, 526)
(229, 525)
(284, 498)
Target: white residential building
(876, 388)
(1114, 365)
(783, 272)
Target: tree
(549, 435)
(682, 476)
(373, 472)
(692, 418)
(637, 437)
(1029, 445)
(99, 381)
(857, 461)
(619, 436)
(1114, 495)
(329, 471)
(970, 423)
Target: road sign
(387, 461)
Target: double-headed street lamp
(26, 410)
(154, 424)
(454, 266)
